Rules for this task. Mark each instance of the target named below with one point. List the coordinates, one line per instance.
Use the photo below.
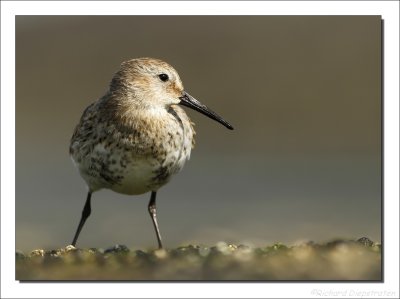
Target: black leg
(152, 211)
(85, 214)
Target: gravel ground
(337, 260)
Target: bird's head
(152, 83)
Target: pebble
(117, 249)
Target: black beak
(189, 101)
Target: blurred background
(303, 163)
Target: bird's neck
(125, 108)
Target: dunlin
(134, 138)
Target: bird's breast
(172, 146)
(138, 157)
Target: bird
(137, 136)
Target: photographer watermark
(351, 293)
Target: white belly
(136, 179)
(134, 176)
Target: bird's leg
(152, 211)
(85, 214)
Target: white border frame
(389, 10)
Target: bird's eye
(163, 77)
